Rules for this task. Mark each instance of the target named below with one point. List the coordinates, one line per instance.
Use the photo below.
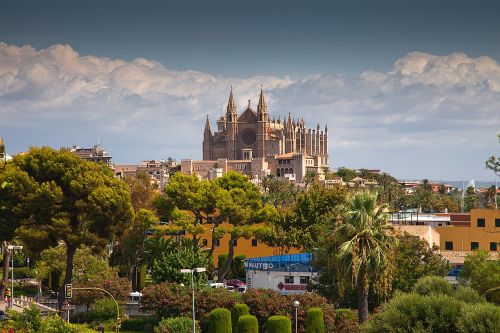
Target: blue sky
(410, 87)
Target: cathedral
(255, 135)
(253, 144)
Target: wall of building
(462, 236)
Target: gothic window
(278, 173)
(291, 170)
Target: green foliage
(247, 324)
(413, 260)
(23, 273)
(471, 199)
(479, 318)
(433, 285)
(346, 174)
(176, 325)
(238, 311)
(31, 320)
(103, 310)
(416, 313)
(315, 322)
(279, 324)
(142, 324)
(346, 321)
(468, 295)
(482, 274)
(237, 266)
(168, 267)
(219, 321)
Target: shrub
(55, 324)
(468, 295)
(219, 321)
(176, 325)
(315, 322)
(247, 324)
(23, 273)
(145, 324)
(238, 311)
(279, 324)
(430, 285)
(416, 313)
(479, 318)
(264, 303)
(103, 310)
(346, 321)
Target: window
(217, 242)
(254, 242)
(474, 246)
(235, 242)
(289, 279)
(204, 242)
(493, 246)
(448, 245)
(497, 223)
(304, 279)
(480, 223)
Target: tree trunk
(5, 278)
(229, 261)
(131, 275)
(70, 255)
(362, 299)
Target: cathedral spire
(232, 110)
(262, 106)
(207, 125)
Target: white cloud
(431, 111)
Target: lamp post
(13, 248)
(296, 304)
(192, 271)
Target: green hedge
(238, 311)
(145, 324)
(315, 322)
(176, 325)
(468, 295)
(279, 324)
(479, 318)
(247, 324)
(219, 321)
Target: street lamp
(296, 304)
(191, 271)
(13, 248)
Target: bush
(176, 325)
(238, 311)
(145, 324)
(346, 321)
(279, 324)
(103, 310)
(219, 321)
(30, 320)
(468, 295)
(23, 273)
(416, 313)
(315, 322)
(431, 285)
(55, 324)
(479, 318)
(247, 324)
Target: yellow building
(483, 232)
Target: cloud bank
(429, 116)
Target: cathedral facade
(254, 135)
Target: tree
(471, 199)
(141, 191)
(493, 163)
(132, 246)
(413, 259)
(346, 174)
(482, 274)
(241, 206)
(74, 201)
(366, 244)
(168, 267)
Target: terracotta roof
(458, 257)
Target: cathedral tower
(262, 125)
(232, 127)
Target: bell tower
(232, 127)
(262, 125)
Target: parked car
(216, 285)
(242, 289)
(235, 283)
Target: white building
(286, 274)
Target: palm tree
(366, 243)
